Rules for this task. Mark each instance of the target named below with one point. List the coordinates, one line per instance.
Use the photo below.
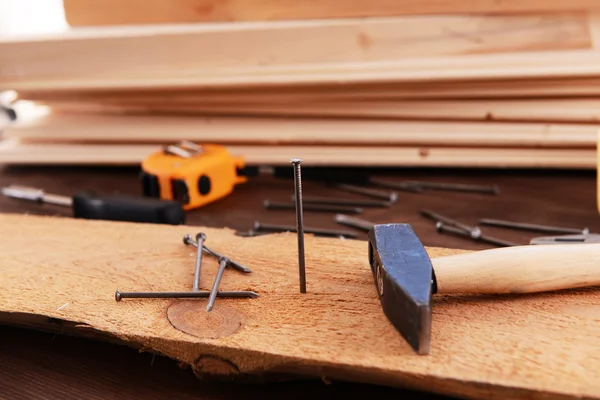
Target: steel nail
(223, 261)
(299, 222)
(391, 197)
(354, 222)
(261, 227)
(473, 231)
(442, 228)
(531, 227)
(181, 295)
(187, 239)
(200, 238)
(345, 202)
(276, 205)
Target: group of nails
(212, 295)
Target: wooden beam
(512, 110)
(160, 57)
(299, 131)
(32, 153)
(544, 346)
(450, 90)
(127, 12)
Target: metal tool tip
(209, 307)
(296, 161)
(393, 197)
(118, 296)
(200, 236)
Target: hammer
(406, 278)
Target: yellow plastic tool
(190, 173)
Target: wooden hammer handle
(519, 269)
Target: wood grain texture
(83, 66)
(15, 152)
(520, 269)
(115, 12)
(523, 88)
(581, 110)
(544, 347)
(139, 128)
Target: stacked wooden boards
(517, 90)
(518, 346)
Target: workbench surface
(35, 365)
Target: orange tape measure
(192, 174)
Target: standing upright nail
(200, 238)
(215, 289)
(299, 222)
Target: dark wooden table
(36, 365)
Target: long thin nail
(276, 205)
(532, 227)
(391, 197)
(299, 222)
(474, 231)
(200, 238)
(187, 239)
(181, 295)
(261, 227)
(345, 202)
(458, 187)
(442, 228)
(394, 185)
(354, 222)
(213, 293)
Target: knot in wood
(192, 318)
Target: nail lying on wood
(187, 239)
(276, 205)
(261, 227)
(200, 238)
(345, 202)
(391, 197)
(181, 295)
(531, 227)
(442, 228)
(223, 261)
(394, 185)
(473, 231)
(353, 222)
(458, 187)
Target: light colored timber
(522, 110)
(533, 346)
(32, 153)
(466, 89)
(298, 131)
(127, 12)
(519, 269)
(130, 64)
(248, 46)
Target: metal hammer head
(405, 281)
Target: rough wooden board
(498, 347)
(126, 12)
(139, 128)
(16, 152)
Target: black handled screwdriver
(86, 205)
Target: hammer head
(405, 281)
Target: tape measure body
(194, 178)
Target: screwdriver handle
(128, 208)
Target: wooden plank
(32, 153)
(535, 346)
(89, 63)
(585, 110)
(299, 131)
(126, 12)
(465, 89)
